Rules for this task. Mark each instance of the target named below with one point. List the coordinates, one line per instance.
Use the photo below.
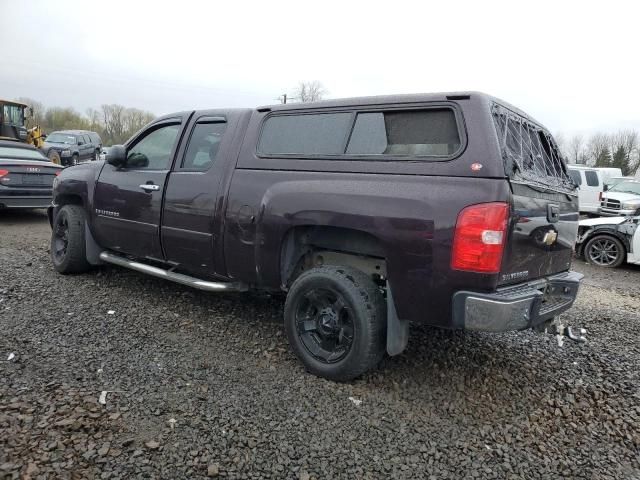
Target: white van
(591, 181)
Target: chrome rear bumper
(516, 307)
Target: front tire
(54, 157)
(605, 251)
(335, 319)
(75, 160)
(68, 248)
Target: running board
(174, 277)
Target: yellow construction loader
(13, 117)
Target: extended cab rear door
(191, 221)
(128, 199)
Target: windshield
(11, 152)
(627, 187)
(13, 115)
(61, 138)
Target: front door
(128, 199)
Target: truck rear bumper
(516, 307)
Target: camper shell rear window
(529, 152)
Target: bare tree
(624, 147)
(598, 151)
(312, 91)
(576, 149)
(134, 119)
(113, 122)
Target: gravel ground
(202, 385)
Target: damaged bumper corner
(516, 307)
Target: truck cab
(454, 210)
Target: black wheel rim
(604, 252)
(60, 237)
(325, 325)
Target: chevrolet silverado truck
(454, 210)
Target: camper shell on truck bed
(454, 210)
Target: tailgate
(544, 203)
(542, 233)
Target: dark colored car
(454, 210)
(26, 176)
(73, 146)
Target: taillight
(600, 196)
(58, 172)
(478, 242)
(3, 173)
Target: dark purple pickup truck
(454, 210)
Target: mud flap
(397, 330)
(92, 249)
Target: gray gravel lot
(204, 385)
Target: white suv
(622, 199)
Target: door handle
(149, 187)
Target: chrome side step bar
(174, 277)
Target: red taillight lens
(3, 173)
(58, 172)
(600, 196)
(479, 237)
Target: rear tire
(68, 248)
(605, 251)
(335, 319)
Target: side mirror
(80, 143)
(117, 156)
(605, 187)
(137, 160)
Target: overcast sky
(572, 65)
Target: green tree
(621, 160)
(604, 158)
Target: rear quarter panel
(412, 216)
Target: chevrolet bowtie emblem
(550, 237)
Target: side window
(305, 134)
(203, 147)
(575, 176)
(154, 150)
(592, 178)
(416, 133)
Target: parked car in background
(609, 242)
(73, 146)
(613, 181)
(26, 176)
(621, 199)
(369, 212)
(591, 183)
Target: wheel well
(308, 246)
(604, 233)
(67, 199)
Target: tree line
(619, 150)
(114, 123)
